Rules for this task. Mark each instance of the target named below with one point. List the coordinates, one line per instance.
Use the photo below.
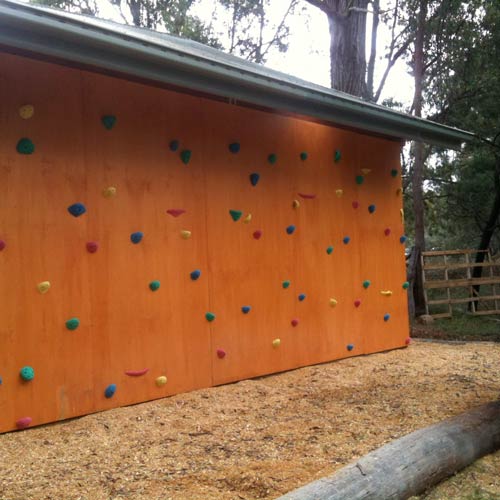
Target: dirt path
(254, 439)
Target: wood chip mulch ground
(256, 438)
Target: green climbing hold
(329, 250)
(360, 179)
(338, 156)
(394, 172)
(108, 121)
(72, 324)
(186, 156)
(25, 146)
(406, 285)
(235, 214)
(27, 373)
(210, 316)
(285, 284)
(154, 285)
(366, 283)
(303, 156)
(272, 158)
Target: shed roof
(164, 59)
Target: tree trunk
(413, 463)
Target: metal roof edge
(75, 39)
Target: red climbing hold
(295, 322)
(2, 245)
(357, 303)
(387, 231)
(92, 246)
(257, 234)
(221, 353)
(175, 212)
(307, 196)
(408, 341)
(136, 373)
(24, 422)
(355, 204)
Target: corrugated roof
(164, 59)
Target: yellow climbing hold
(109, 192)
(161, 381)
(366, 171)
(333, 302)
(296, 204)
(339, 192)
(26, 111)
(398, 191)
(247, 219)
(185, 234)
(386, 293)
(402, 212)
(43, 287)
(276, 342)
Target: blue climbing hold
(302, 296)
(254, 178)
(403, 239)
(174, 145)
(290, 229)
(77, 209)
(136, 237)
(110, 391)
(1, 381)
(371, 208)
(234, 147)
(245, 309)
(350, 347)
(387, 317)
(346, 240)
(195, 274)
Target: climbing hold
(136, 373)
(27, 373)
(1, 381)
(27, 111)
(408, 341)
(234, 147)
(296, 204)
(210, 316)
(247, 219)
(406, 285)
(174, 145)
(136, 237)
(387, 231)
(175, 212)
(366, 283)
(303, 156)
(403, 239)
(235, 214)
(329, 250)
(2, 245)
(186, 156)
(399, 191)
(43, 287)
(333, 302)
(108, 121)
(346, 240)
(276, 342)
(272, 158)
(257, 234)
(366, 171)
(355, 204)
(195, 274)
(337, 156)
(92, 246)
(185, 234)
(307, 196)
(254, 178)
(72, 324)
(154, 285)
(290, 229)
(245, 309)
(371, 208)
(25, 146)
(24, 422)
(360, 179)
(109, 192)
(387, 317)
(294, 322)
(110, 391)
(350, 347)
(394, 172)
(221, 353)
(339, 192)
(77, 209)
(161, 381)
(302, 296)
(357, 303)
(402, 212)
(386, 293)
(285, 284)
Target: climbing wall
(154, 242)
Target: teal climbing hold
(195, 274)
(186, 156)
(394, 172)
(110, 391)
(329, 250)
(360, 179)
(235, 214)
(303, 156)
(108, 121)
(27, 373)
(285, 284)
(406, 285)
(234, 147)
(338, 155)
(272, 158)
(366, 283)
(210, 316)
(72, 324)
(25, 146)
(154, 285)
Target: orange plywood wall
(127, 174)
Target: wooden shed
(173, 218)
